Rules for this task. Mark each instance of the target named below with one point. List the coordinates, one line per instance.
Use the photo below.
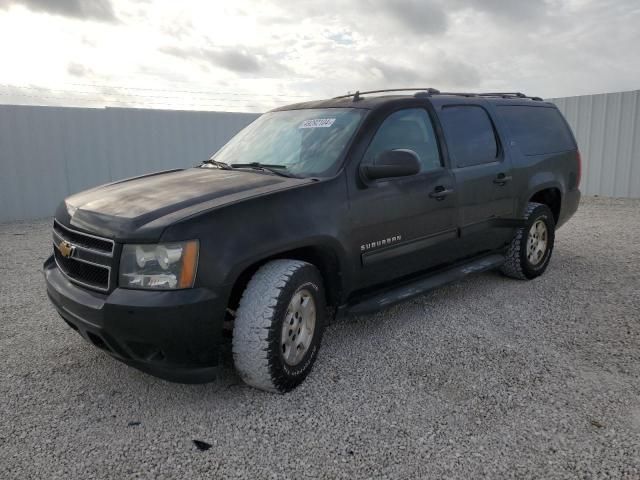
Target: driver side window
(409, 129)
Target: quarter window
(470, 135)
(537, 130)
(407, 129)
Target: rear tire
(530, 250)
(279, 325)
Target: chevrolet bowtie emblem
(66, 249)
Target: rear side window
(470, 135)
(537, 130)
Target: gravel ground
(489, 377)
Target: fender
(328, 244)
(540, 181)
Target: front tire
(530, 250)
(279, 325)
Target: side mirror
(392, 163)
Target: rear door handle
(440, 192)
(502, 179)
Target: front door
(405, 224)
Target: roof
(371, 100)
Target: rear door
(402, 225)
(482, 173)
(543, 147)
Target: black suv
(314, 210)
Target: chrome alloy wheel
(537, 242)
(298, 327)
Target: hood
(142, 207)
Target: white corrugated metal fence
(48, 153)
(607, 128)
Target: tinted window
(410, 129)
(470, 136)
(537, 130)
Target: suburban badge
(380, 243)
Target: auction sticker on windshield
(318, 123)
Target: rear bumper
(174, 335)
(570, 203)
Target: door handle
(502, 179)
(440, 192)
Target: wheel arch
(545, 187)
(551, 196)
(323, 257)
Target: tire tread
(512, 266)
(254, 320)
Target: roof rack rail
(433, 91)
(494, 94)
(356, 96)
(503, 94)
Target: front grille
(82, 239)
(91, 275)
(90, 258)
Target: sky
(254, 55)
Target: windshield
(306, 142)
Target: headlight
(165, 266)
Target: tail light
(579, 174)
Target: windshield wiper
(276, 169)
(221, 165)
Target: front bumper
(175, 335)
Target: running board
(421, 285)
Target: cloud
(507, 9)
(178, 29)
(83, 9)
(235, 59)
(390, 74)
(341, 38)
(369, 16)
(240, 61)
(443, 71)
(78, 70)
(419, 16)
(448, 71)
(282, 48)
